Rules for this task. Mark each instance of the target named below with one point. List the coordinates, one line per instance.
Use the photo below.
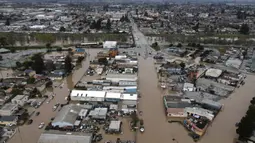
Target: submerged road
(31, 133)
(157, 129)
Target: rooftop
(64, 137)
(68, 114)
(9, 106)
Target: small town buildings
(8, 120)
(188, 87)
(54, 136)
(3, 51)
(110, 44)
(121, 77)
(115, 126)
(79, 52)
(200, 112)
(214, 73)
(8, 109)
(129, 99)
(85, 95)
(98, 113)
(113, 96)
(67, 116)
(21, 100)
(210, 104)
(175, 107)
(29, 73)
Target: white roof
(86, 93)
(213, 72)
(188, 85)
(129, 97)
(113, 95)
(110, 44)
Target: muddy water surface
(31, 133)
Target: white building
(85, 95)
(188, 87)
(129, 99)
(20, 100)
(110, 44)
(37, 27)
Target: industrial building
(110, 44)
(64, 137)
(67, 116)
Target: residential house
(29, 73)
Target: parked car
(37, 113)
(41, 125)
(30, 121)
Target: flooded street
(31, 133)
(157, 129)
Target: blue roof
(28, 71)
(80, 50)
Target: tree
(108, 24)
(38, 64)
(98, 24)
(244, 53)
(7, 22)
(68, 64)
(93, 25)
(13, 50)
(31, 80)
(146, 14)
(162, 24)
(27, 64)
(1, 58)
(49, 65)
(62, 29)
(18, 64)
(79, 60)
(103, 61)
(49, 84)
(48, 45)
(244, 29)
(179, 45)
(3, 41)
(182, 64)
(134, 118)
(59, 49)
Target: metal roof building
(67, 116)
(110, 44)
(64, 137)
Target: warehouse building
(85, 95)
(54, 136)
(67, 116)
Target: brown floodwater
(31, 133)
(157, 129)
